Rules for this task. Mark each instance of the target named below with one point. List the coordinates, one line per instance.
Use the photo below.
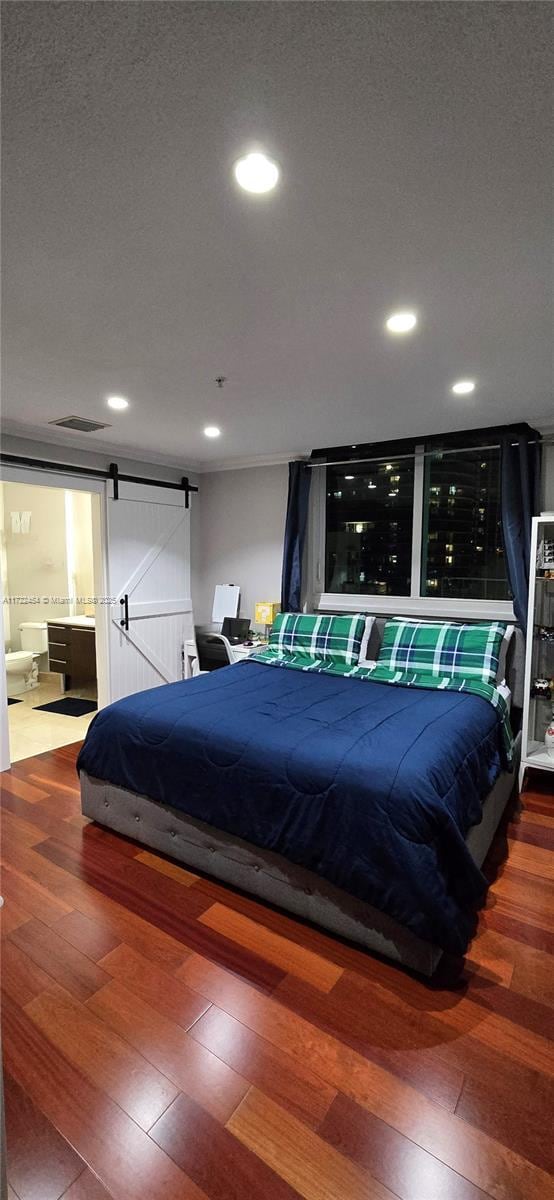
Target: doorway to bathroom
(47, 556)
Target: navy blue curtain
(295, 533)
(520, 481)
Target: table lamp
(265, 613)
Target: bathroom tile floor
(34, 732)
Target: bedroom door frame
(97, 489)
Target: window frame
(318, 600)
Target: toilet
(22, 666)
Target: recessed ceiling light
(464, 387)
(401, 322)
(348, 476)
(117, 402)
(256, 173)
(212, 431)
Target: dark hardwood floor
(166, 1038)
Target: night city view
(370, 517)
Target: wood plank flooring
(167, 1038)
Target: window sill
(416, 606)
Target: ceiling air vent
(82, 424)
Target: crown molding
(251, 460)
(65, 441)
(68, 440)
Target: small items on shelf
(542, 689)
(545, 556)
(538, 700)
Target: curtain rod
(344, 462)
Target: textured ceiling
(414, 145)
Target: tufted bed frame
(271, 877)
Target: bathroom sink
(85, 622)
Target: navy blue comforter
(371, 786)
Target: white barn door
(148, 558)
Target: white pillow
(363, 660)
(502, 657)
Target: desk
(239, 652)
(242, 651)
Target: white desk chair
(209, 646)
(207, 652)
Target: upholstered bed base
(270, 876)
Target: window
(462, 551)
(415, 520)
(369, 528)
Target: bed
(365, 808)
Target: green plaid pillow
(327, 639)
(439, 649)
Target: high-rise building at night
(370, 523)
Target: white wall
(4, 728)
(240, 536)
(4, 571)
(36, 561)
(548, 478)
(81, 523)
(95, 458)
(237, 520)
(35, 564)
(74, 454)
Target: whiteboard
(226, 601)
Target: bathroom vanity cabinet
(72, 650)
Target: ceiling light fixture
(464, 387)
(348, 476)
(256, 173)
(401, 322)
(117, 402)
(212, 431)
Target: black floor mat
(12, 700)
(71, 706)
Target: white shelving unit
(539, 654)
